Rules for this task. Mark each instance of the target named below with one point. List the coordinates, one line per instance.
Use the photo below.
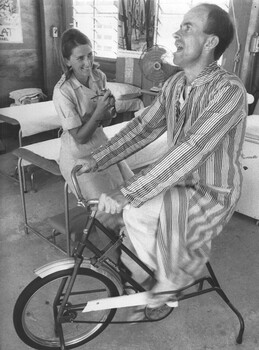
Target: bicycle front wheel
(36, 308)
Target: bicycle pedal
(156, 314)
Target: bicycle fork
(59, 315)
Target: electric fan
(156, 65)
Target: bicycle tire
(33, 312)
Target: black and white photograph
(129, 162)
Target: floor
(199, 323)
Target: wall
(245, 65)
(58, 14)
(34, 63)
(52, 14)
(21, 64)
(251, 69)
(240, 14)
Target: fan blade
(152, 65)
(155, 75)
(157, 64)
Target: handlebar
(75, 181)
(80, 198)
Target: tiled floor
(197, 324)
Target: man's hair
(219, 24)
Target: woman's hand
(113, 202)
(105, 109)
(103, 103)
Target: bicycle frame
(115, 241)
(100, 262)
(64, 312)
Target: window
(98, 19)
(169, 16)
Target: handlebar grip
(80, 198)
(77, 168)
(75, 181)
(92, 202)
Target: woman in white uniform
(84, 109)
(83, 114)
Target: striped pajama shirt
(200, 174)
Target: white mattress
(34, 118)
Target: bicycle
(73, 300)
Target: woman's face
(81, 62)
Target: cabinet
(249, 200)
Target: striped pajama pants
(172, 234)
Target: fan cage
(153, 66)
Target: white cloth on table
(34, 118)
(48, 149)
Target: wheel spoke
(38, 305)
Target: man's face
(190, 38)
(81, 61)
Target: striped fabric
(200, 174)
(128, 71)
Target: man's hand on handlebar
(88, 166)
(113, 202)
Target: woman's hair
(70, 39)
(219, 24)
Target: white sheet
(34, 118)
